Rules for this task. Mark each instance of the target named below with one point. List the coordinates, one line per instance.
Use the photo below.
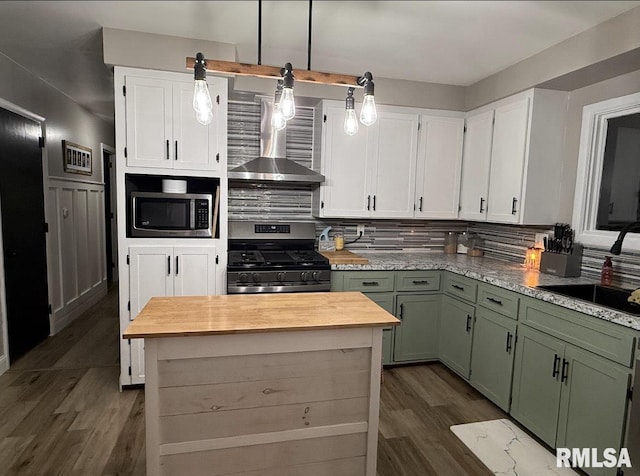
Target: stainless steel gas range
(275, 258)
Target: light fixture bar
(273, 72)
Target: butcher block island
(266, 384)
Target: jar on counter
(451, 243)
(338, 238)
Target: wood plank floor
(61, 412)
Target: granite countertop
(499, 273)
(182, 316)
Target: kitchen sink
(607, 296)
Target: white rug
(507, 450)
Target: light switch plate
(540, 239)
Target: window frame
(589, 177)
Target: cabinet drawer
(418, 281)
(369, 282)
(460, 287)
(500, 300)
(600, 337)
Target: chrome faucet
(617, 246)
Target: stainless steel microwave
(171, 215)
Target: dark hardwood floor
(61, 412)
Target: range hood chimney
(272, 165)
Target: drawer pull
(459, 288)
(401, 311)
(370, 283)
(509, 338)
(556, 369)
(565, 371)
(424, 281)
(469, 322)
(495, 301)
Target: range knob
(255, 277)
(316, 276)
(280, 276)
(243, 278)
(304, 276)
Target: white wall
(65, 120)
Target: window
(608, 180)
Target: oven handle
(296, 288)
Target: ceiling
(451, 42)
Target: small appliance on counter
(561, 255)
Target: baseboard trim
(62, 317)
(4, 364)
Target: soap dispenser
(606, 276)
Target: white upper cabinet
(438, 168)
(161, 128)
(370, 174)
(476, 161)
(512, 162)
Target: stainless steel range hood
(272, 165)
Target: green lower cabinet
(593, 404)
(385, 301)
(455, 334)
(416, 338)
(492, 356)
(569, 397)
(536, 383)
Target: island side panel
(268, 403)
(151, 412)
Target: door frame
(9, 106)
(111, 175)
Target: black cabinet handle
(176, 156)
(374, 203)
(401, 311)
(495, 301)
(368, 202)
(481, 205)
(420, 207)
(168, 149)
(469, 322)
(556, 369)
(565, 371)
(424, 281)
(509, 339)
(513, 206)
(370, 283)
(459, 288)
(177, 258)
(168, 264)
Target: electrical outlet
(359, 230)
(540, 239)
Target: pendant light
(368, 113)
(201, 98)
(278, 122)
(350, 118)
(287, 104)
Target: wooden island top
(182, 316)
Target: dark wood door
(23, 233)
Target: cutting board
(344, 257)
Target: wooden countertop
(247, 313)
(343, 257)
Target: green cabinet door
(492, 356)
(385, 301)
(416, 338)
(456, 331)
(536, 382)
(593, 404)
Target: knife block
(562, 264)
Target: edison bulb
(368, 114)
(278, 121)
(202, 102)
(351, 122)
(287, 105)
